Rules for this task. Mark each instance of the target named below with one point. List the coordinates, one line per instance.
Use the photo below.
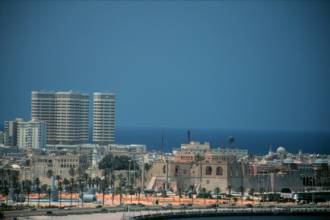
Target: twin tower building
(66, 114)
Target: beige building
(195, 165)
(59, 164)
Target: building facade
(59, 164)
(10, 132)
(31, 134)
(103, 118)
(65, 113)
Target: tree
(81, 187)
(217, 191)
(13, 174)
(71, 189)
(66, 184)
(138, 191)
(49, 173)
(104, 185)
(59, 187)
(242, 190)
(191, 193)
(203, 194)
(37, 184)
(112, 184)
(27, 187)
(49, 190)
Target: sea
(256, 141)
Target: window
(219, 171)
(208, 170)
(164, 169)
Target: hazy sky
(215, 64)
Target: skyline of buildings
(62, 117)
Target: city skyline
(247, 66)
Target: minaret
(188, 136)
(270, 152)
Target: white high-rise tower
(103, 118)
(65, 113)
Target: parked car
(167, 206)
(249, 206)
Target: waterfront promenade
(137, 214)
(237, 211)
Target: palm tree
(121, 185)
(27, 187)
(198, 160)
(204, 194)
(81, 187)
(71, 189)
(242, 190)
(72, 173)
(229, 188)
(104, 185)
(59, 186)
(138, 191)
(217, 191)
(49, 190)
(37, 184)
(192, 194)
(66, 183)
(112, 184)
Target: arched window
(164, 169)
(208, 170)
(219, 171)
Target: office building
(10, 132)
(31, 134)
(103, 118)
(65, 114)
(1, 137)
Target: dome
(280, 150)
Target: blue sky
(188, 64)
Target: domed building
(281, 152)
